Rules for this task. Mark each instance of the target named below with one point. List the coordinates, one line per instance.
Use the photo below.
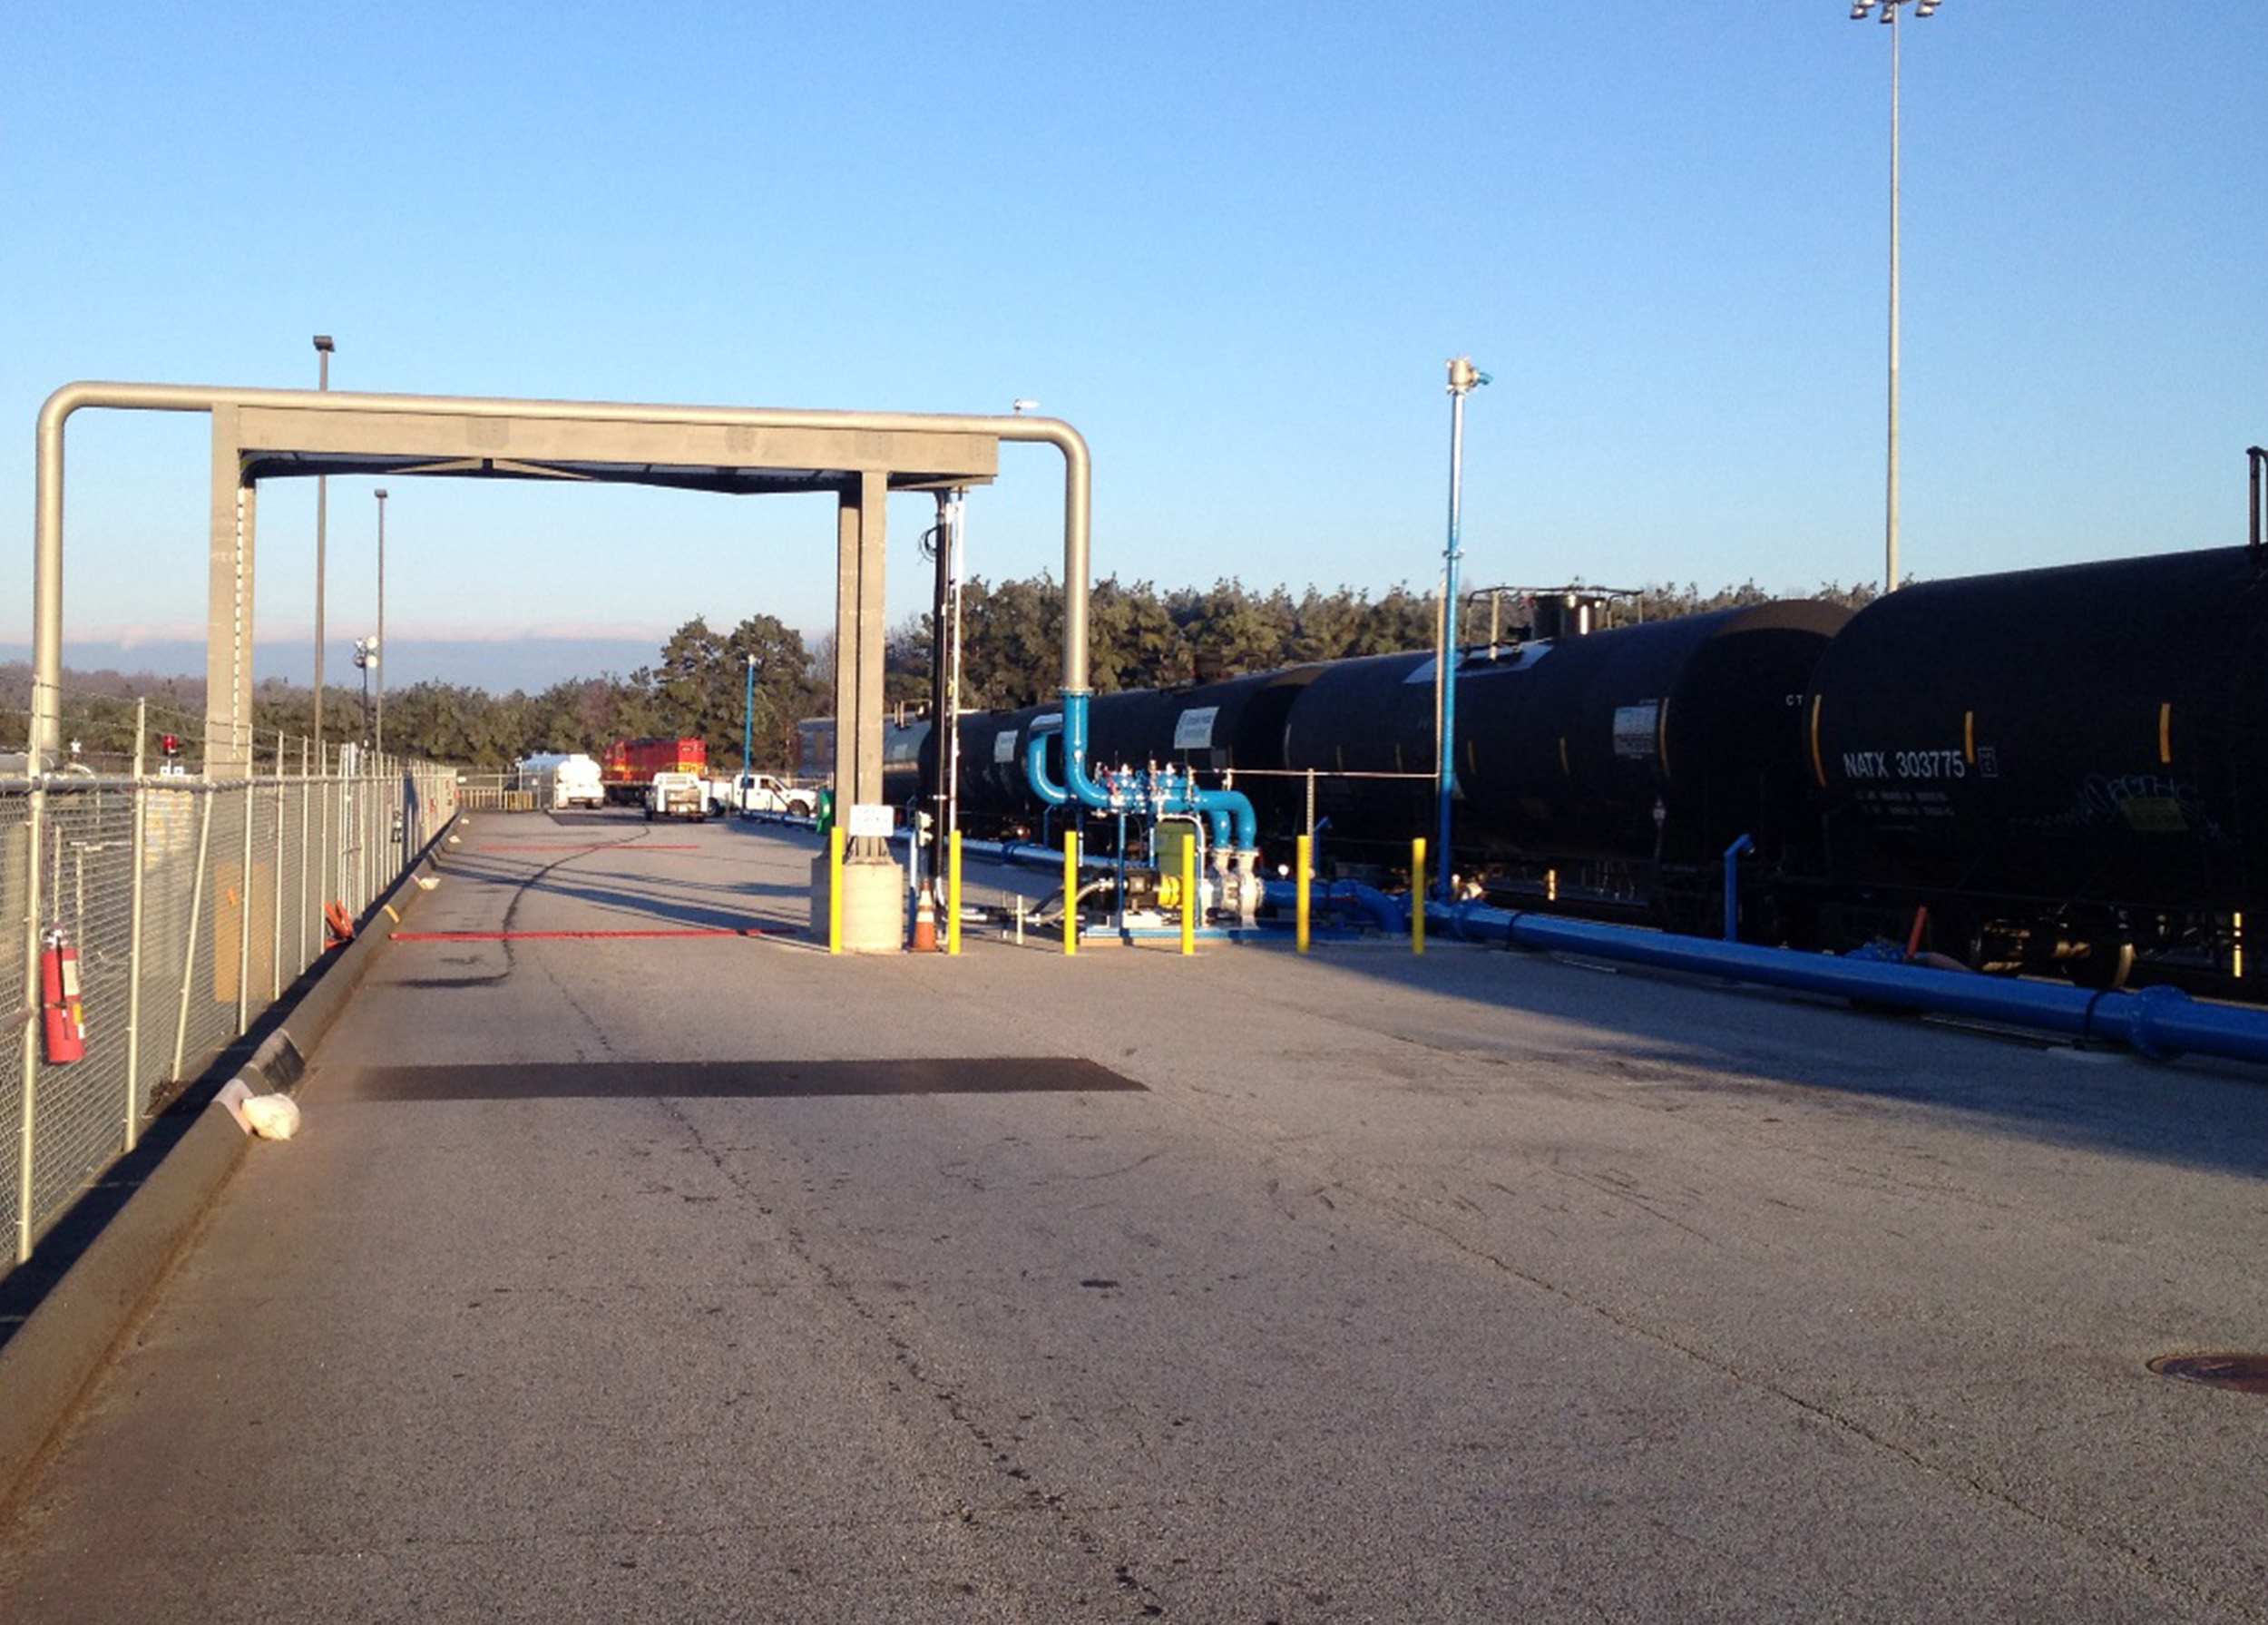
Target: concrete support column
(873, 913)
(859, 635)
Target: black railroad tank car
(2083, 743)
(1567, 748)
(995, 797)
(1235, 727)
(905, 755)
(2050, 768)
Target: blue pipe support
(1732, 886)
(1235, 826)
(2159, 1022)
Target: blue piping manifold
(1154, 791)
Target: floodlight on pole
(1889, 10)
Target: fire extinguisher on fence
(59, 1001)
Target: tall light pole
(1464, 379)
(322, 497)
(747, 722)
(1889, 11)
(378, 732)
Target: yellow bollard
(1190, 904)
(1300, 877)
(1070, 891)
(1417, 895)
(953, 894)
(835, 889)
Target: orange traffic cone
(924, 924)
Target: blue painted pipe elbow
(1035, 770)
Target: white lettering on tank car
(1904, 764)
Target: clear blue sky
(1233, 244)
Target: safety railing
(179, 909)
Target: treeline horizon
(700, 683)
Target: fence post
(307, 853)
(134, 930)
(196, 912)
(28, 1041)
(327, 876)
(275, 887)
(244, 900)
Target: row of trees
(701, 685)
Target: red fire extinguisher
(59, 1001)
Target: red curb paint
(520, 936)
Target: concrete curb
(48, 1368)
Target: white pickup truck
(676, 795)
(754, 794)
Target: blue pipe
(1075, 776)
(1385, 910)
(1035, 769)
(1732, 886)
(1228, 808)
(2160, 1023)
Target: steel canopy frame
(860, 455)
(256, 433)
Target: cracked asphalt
(1479, 1287)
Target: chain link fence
(186, 907)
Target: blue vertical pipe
(1732, 886)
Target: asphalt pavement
(638, 1261)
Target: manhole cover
(2246, 1373)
